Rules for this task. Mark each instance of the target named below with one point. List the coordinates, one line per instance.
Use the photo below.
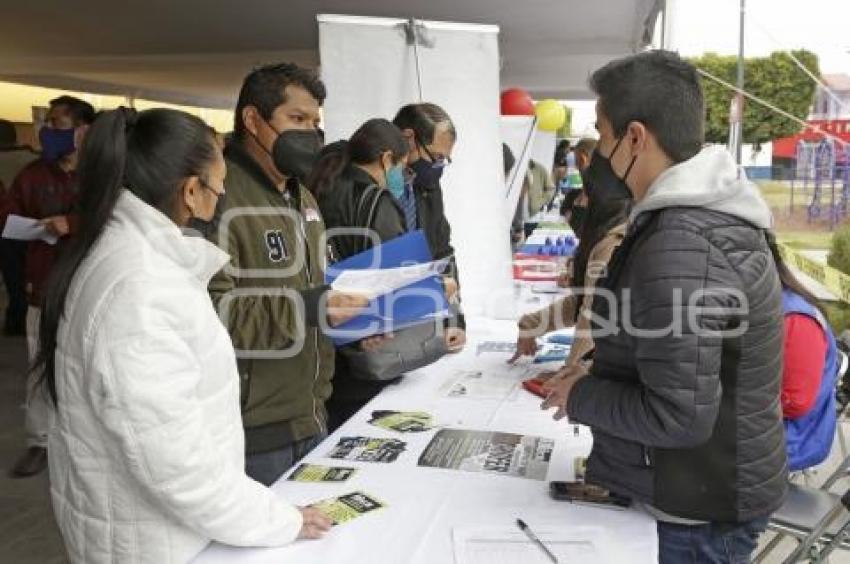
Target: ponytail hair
(150, 153)
(367, 144)
(786, 277)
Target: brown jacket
(562, 312)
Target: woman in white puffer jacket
(147, 447)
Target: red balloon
(516, 102)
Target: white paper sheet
(379, 281)
(484, 384)
(27, 229)
(509, 545)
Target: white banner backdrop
(518, 135)
(370, 71)
(543, 149)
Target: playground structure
(821, 177)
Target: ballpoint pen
(530, 534)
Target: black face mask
(427, 175)
(294, 151)
(600, 180)
(578, 215)
(207, 227)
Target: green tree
(775, 79)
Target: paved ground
(28, 534)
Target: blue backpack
(809, 438)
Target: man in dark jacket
(272, 297)
(431, 136)
(683, 394)
(46, 190)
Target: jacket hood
(196, 255)
(708, 180)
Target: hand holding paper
(57, 225)
(27, 229)
(343, 306)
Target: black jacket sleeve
(683, 293)
(387, 223)
(438, 231)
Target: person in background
(142, 373)
(583, 154)
(809, 372)
(569, 204)
(683, 394)
(518, 221)
(431, 137)
(601, 234)
(46, 189)
(359, 184)
(561, 165)
(540, 189)
(13, 158)
(272, 295)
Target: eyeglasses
(206, 185)
(437, 161)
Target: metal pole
(740, 101)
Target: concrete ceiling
(197, 51)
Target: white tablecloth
(425, 504)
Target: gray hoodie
(708, 180)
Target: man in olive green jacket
(272, 297)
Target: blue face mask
(56, 143)
(395, 181)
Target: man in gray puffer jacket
(683, 395)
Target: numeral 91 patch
(276, 245)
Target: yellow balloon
(551, 115)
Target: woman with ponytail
(359, 183)
(147, 447)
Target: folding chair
(818, 520)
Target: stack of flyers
(403, 421)
(367, 449)
(347, 507)
(317, 473)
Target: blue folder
(411, 305)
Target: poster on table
(507, 454)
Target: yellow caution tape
(834, 280)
